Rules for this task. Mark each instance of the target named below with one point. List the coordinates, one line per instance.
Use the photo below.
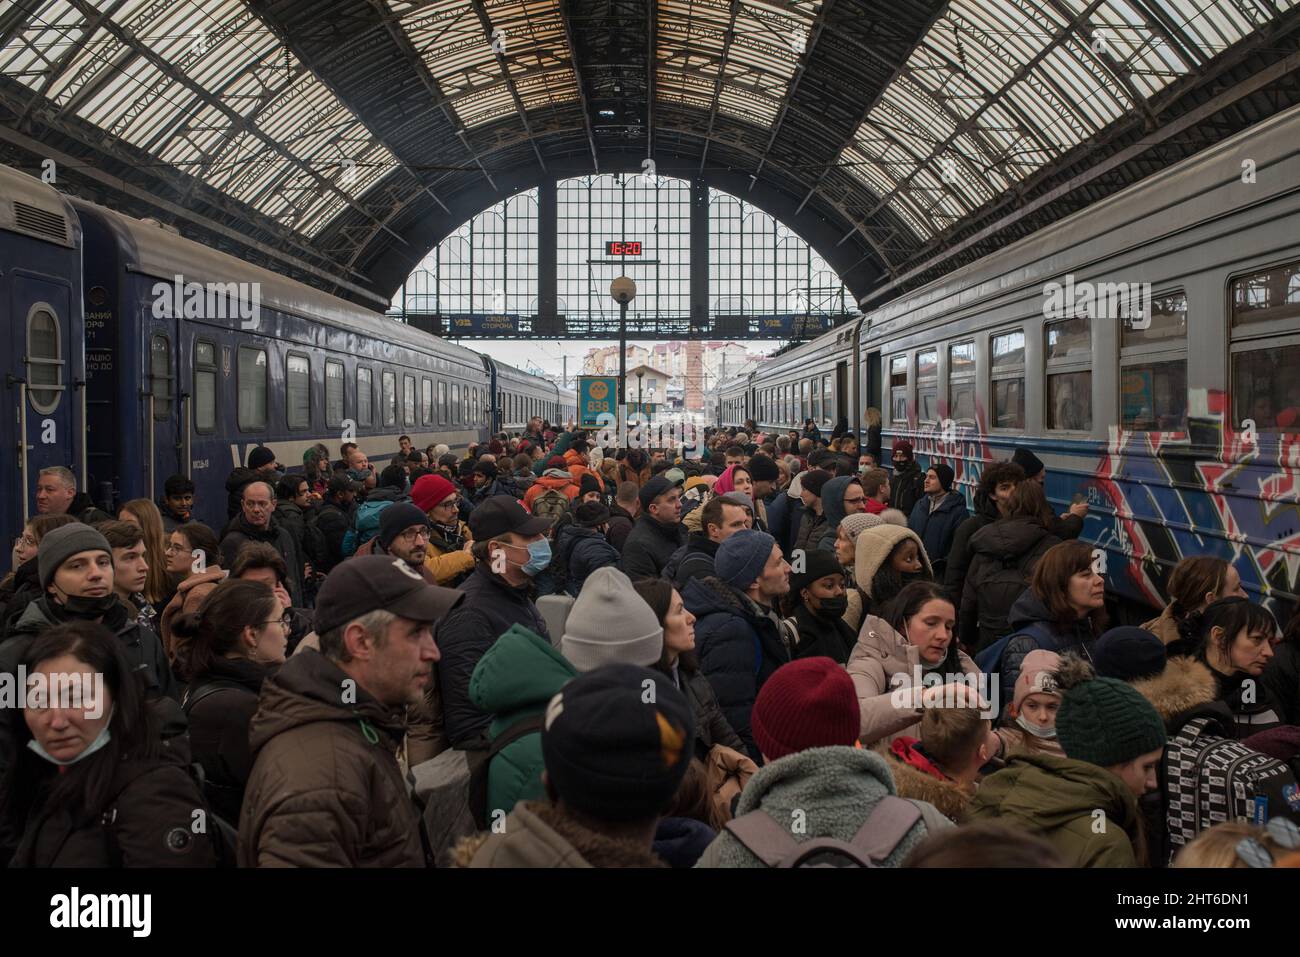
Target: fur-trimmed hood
(913, 783)
(1184, 684)
(874, 547)
(538, 835)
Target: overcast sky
(547, 354)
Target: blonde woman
(142, 512)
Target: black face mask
(830, 609)
(89, 609)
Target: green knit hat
(1105, 722)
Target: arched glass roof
(897, 120)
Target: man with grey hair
(326, 789)
(56, 494)
(256, 522)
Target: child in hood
(888, 557)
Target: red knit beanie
(809, 703)
(429, 490)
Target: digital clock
(623, 248)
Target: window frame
(905, 388)
(928, 385)
(368, 422)
(1008, 373)
(58, 362)
(388, 398)
(343, 387)
(170, 378)
(239, 388)
(1068, 366)
(414, 421)
(287, 423)
(210, 369)
(970, 379)
(426, 401)
(1148, 354)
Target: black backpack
(997, 592)
(223, 835)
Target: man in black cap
(1069, 524)
(336, 515)
(510, 549)
(326, 789)
(658, 531)
(404, 532)
(616, 743)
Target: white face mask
(101, 739)
(1036, 730)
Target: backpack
(1210, 778)
(364, 527)
(879, 836)
(481, 761)
(989, 661)
(551, 504)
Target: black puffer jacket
(649, 546)
(959, 555)
(906, 486)
(739, 648)
(490, 608)
(19, 591)
(579, 552)
(1282, 678)
(819, 638)
(332, 522)
(620, 526)
(239, 532)
(151, 808)
(224, 701)
(1003, 556)
(711, 726)
(692, 560)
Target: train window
(1069, 390)
(1266, 388)
(334, 393)
(408, 401)
(252, 389)
(205, 386)
(961, 382)
(1168, 321)
(442, 403)
(297, 392)
(365, 397)
(1007, 380)
(388, 396)
(826, 400)
(426, 401)
(1153, 396)
(898, 389)
(817, 399)
(1153, 374)
(160, 377)
(1070, 340)
(927, 385)
(1267, 296)
(455, 403)
(44, 361)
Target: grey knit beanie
(740, 559)
(611, 624)
(64, 542)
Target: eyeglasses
(286, 621)
(450, 503)
(173, 547)
(411, 534)
(25, 540)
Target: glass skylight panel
(50, 30)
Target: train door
(842, 409)
(160, 403)
(41, 381)
(871, 379)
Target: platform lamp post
(640, 398)
(623, 289)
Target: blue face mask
(101, 739)
(539, 557)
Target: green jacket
(1088, 814)
(516, 679)
(561, 446)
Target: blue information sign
(597, 395)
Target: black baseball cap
(501, 514)
(652, 489)
(369, 583)
(342, 483)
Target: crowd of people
(538, 652)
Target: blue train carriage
(201, 356)
(519, 396)
(44, 359)
(1147, 349)
(815, 380)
